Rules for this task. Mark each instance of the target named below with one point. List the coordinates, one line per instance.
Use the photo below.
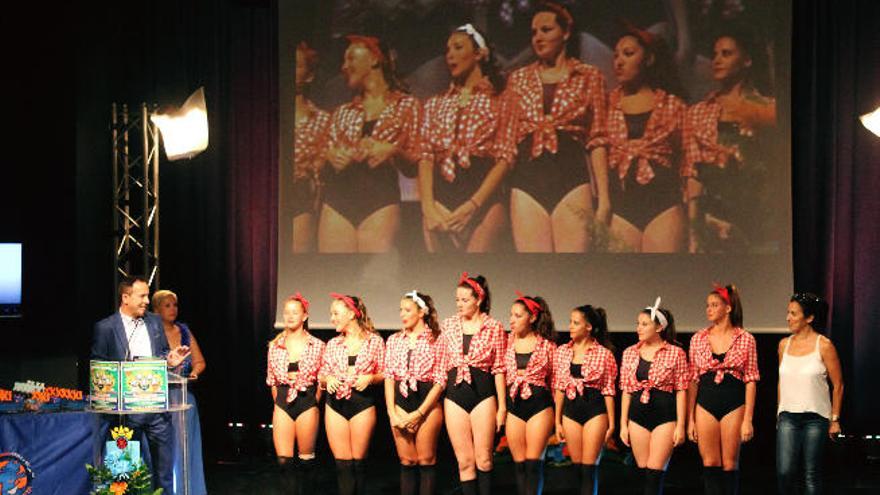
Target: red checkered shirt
(451, 134)
(370, 360)
(701, 123)
(740, 361)
(397, 124)
(425, 365)
(309, 363)
(309, 141)
(669, 371)
(662, 144)
(539, 371)
(599, 371)
(486, 351)
(578, 108)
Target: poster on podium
(144, 385)
(104, 385)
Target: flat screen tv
(10, 279)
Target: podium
(127, 388)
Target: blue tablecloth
(57, 446)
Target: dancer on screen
(558, 127)
(463, 162)
(475, 405)
(414, 381)
(528, 365)
(371, 138)
(645, 156)
(309, 141)
(584, 379)
(353, 364)
(724, 366)
(730, 153)
(654, 377)
(293, 362)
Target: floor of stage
(849, 473)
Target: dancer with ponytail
(654, 377)
(353, 363)
(414, 382)
(528, 365)
(724, 363)
(475, 405)
(294, 360)
(584, 379)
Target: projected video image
(534, 127)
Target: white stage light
(184, 130)
(872, 121)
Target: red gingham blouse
(397, 124)
(701, 122)
(669, 371)
(309, 363)
(599, 370)
(486, 351)
(662, 143)
(309, 140)
(539, 371)
(451, 134)
(741, 360)
(370, 360)
(578, 108)
(426, 364)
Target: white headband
(414, 295)
(656, 314)
(478, 38)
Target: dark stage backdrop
(608, 276)
(219, 209)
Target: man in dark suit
(128, 334)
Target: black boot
(654, 481)
(345, 476)
(484, 481)
(469, 487)
(589, 479)
(360, 476)
(534, 476)
(409, 479)
(519, 471)
(712, 481)
(307, 474)
(730, 480)
(287, 472)
(427, 479)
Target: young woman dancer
(585, 377)
(645, 121)
(654, 377)
(475, 405)
(414, 381)
(370, 139)
(309, 139)
(353, 363)
(462, 161)
(528, 365)
(292, 371)
(808, 412)
(724, 364)
(558, 125)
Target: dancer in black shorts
(475, 406)
(292, 372)
(414, 381)
(654, 377)
(584, 380)
(353, 364)
(528, 365)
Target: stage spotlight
(184, 130)
(871, 121)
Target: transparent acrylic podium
(178, 404)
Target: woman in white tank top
(808, 410)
